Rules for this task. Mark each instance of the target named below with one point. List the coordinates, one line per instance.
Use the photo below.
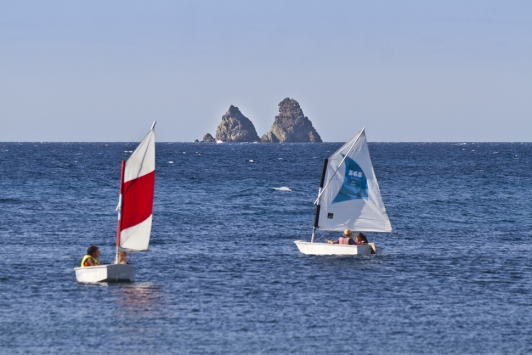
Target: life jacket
(343, 240)
(94, 260)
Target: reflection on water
(138, 298)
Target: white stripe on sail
(137, 237)
(142, 160)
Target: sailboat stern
(334, 249)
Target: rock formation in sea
(291, 125)
(196, 141)
(208, 139)
(235, 127)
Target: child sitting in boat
(346, 239)
(361, 239)
(91, 258)
(122, 257)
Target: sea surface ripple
(223, 275)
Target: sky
(408, 71)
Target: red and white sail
(137, 189)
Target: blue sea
(223, 275)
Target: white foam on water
(280, 158)
(250, 160)
(219, 142)
(282, 188)
(170, 162)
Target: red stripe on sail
(137, 200)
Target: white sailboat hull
(334, 249)
(106, 273)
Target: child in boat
(122, 257)
(346, 239)
(91, 258)
(361, 239)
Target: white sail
(351, 197)
(142, 160)
(137, 195)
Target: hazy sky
(406, 70)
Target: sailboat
(135, 211)
(349, 198)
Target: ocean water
(223, 275)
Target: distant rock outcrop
(208, 139)
(235, 127)
(270, 138)
(291, 125)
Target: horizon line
(266, 143)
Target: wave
(282, 188)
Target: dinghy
(349, 198)
(135, 206)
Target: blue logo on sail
(355, 184)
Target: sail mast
(317, 215)
(119, 208)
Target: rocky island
(208, 138)
(291, 125)
(235, 127)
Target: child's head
(121, 255)
(93, 251)
(359, 237)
